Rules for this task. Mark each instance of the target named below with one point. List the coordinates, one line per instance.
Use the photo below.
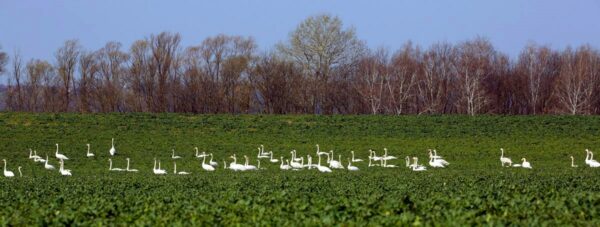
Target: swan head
(523, 159)
(502, 149)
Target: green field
(473, 190)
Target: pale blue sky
(38, 28)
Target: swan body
(112, 150)
(46, 165)
(180, 172)
(526, 164)
(60, 156)
(416, 166)
(247, 166)
(128, 169)
(322, 169)
(89, 154)
(35, 157)
(272, 159)
(355, 159)
(284, 166)
(387, 157)
(335, 164)
(205, 166)
(436, 163)
(261, 153)
(351, 167)
(211, 162)
(62, 170)
(504, 160)
(173, 156)
(319, 152)
(158, 171)
(590, 159)
(110, 168)
(234, 166)
(7, 173)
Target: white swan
(435, 164)
(416, 166)
(335, 164)
(272, 159)
(573, 162)
(387, 157)
(158, 170)
(296, 165)
(588, 159)
(211, 162)
(205, 166)
(37, 158)
(355, 159)
(60, 156)
(46, 165)
(591, 162)
(89, 154)
(180, 172)
(110, 168)
(261, 153)
(234, 166)
(128, 169)
(62, 170)
(7, 173)
(247, 165)
(319, 152)
(283, 166)
(437, 158)
(323, 169)
(173, 156)
(351, 167)
(112, 150)
(504, 160)
(526, 164)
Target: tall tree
(475, 63)
(3, 60)
(538, 65)
(578, 79)
(37, 72)
(318, 45)
(66, 58)
(164, 47)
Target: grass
(473, 190)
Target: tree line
(322, 69)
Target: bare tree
(17, 70)
(538, 66)
(578, 78)
(475, 60)
(88, 70)
(37, 72)
(371, 77)
(66, 58)
(319, 44)
(164, 47)
(404, 69)
(439, 70)
(111, 69)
